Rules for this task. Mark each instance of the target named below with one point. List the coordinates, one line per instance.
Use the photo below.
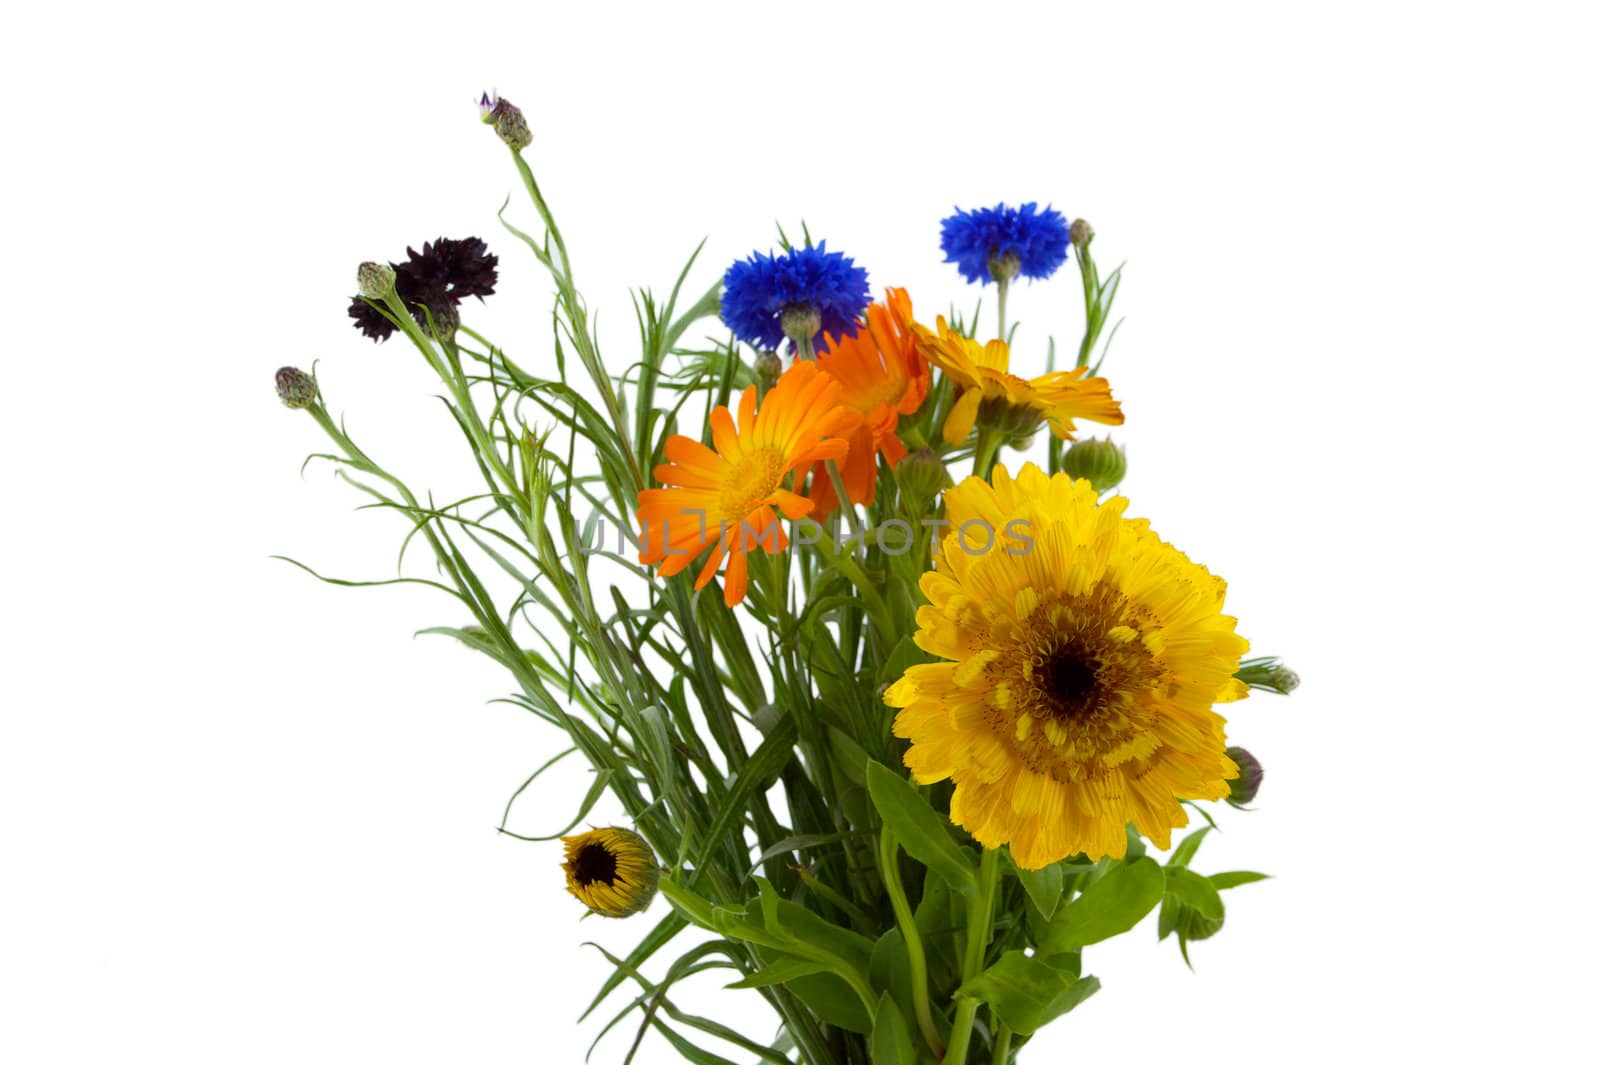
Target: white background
(247, 817)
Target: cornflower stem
(1004, 286)
(980, 914)
(805, 349)
(845, 505)
(889, 867)
(450, 373)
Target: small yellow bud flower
(611, 870)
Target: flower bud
(1004, 267)
(1081, 232)
(800, 322)
(769, 367)
(1242, 789)
(1268, 675)
(375, 280)
(1100, 462)
(506, 117)
(611, 870)
(296, 388)
(921, 476)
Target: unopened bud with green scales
(375, 280)
(1081, 233)
(506, 118)
(921, 476)
(1268, 675)
(769, 367)
(296, 388)
(1100, 462)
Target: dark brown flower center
(1070, 680)
(594, 865)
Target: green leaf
(1184, 853)
(1224, 881)
(891, 1036)
(1108, 907)
(1195, 892)
(1042, 885)
(906, 654)
(918, 828)
(780, 970)
(1028, 992)
(833, 1001)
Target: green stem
(1004, 285)
(980, 913)
(1002, 1044)
(984, 454)
(845, 505)
(889, 867)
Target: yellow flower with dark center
(1084, 656)
(993, 396)
(611, 870)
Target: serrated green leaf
(918, 829)
(1108, 907)
(1028, 992)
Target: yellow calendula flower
(611, 870)
(1084, 656)
(993, 396)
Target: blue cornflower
(974, 240)
(802, 285)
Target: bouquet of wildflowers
(899, 717)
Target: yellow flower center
(754, 478)
(1072, 686)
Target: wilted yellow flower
(1084, 658)
(611, 870)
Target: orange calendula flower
(994, 397)
(884, 376)
(724, 497)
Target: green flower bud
(1268, 675)
(1242, 789)
(296, 388)
(375, 280)
(921, 476)
(1081, 232)
(769, 367)
(1100, 462)
(800, 322)
(506, 118)
(1004, 267)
